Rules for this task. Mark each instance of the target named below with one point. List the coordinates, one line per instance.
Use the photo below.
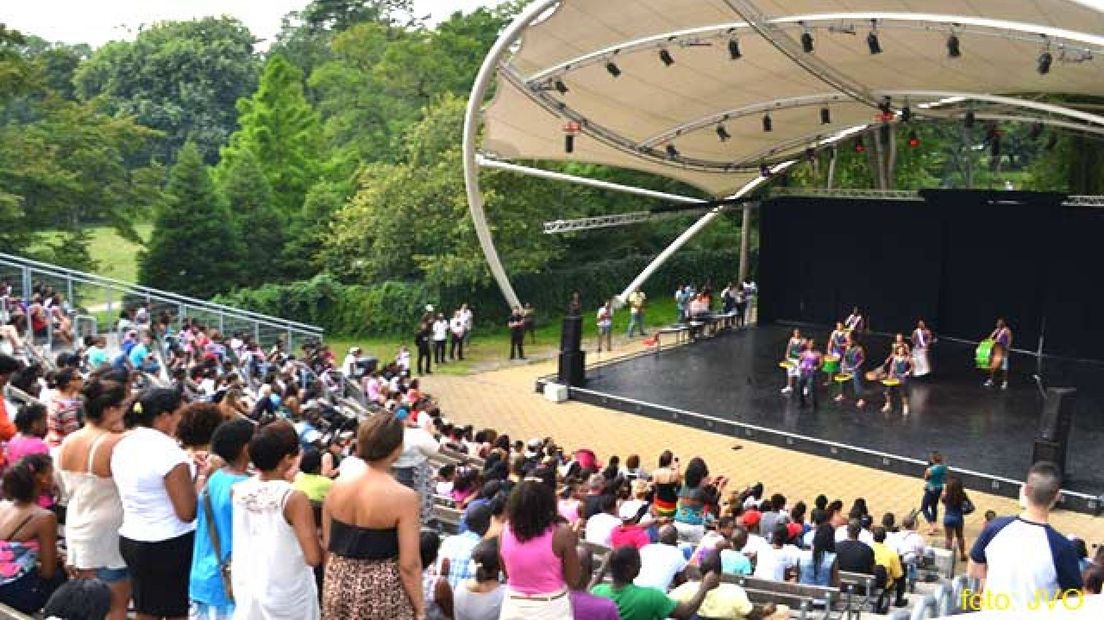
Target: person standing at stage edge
(517, 333)
(636, 300)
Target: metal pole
(832, 169)
(485, 162)
(745, 241)
(471, 129)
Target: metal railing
(97, 302)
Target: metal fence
(96, 302)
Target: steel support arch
(693, 230)
(471, 130)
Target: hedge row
(391, 308)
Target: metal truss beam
(487, 162)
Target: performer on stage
(898, 341)
(794, 346)
(900, 368)
(837, 344)
(853, 358)
(922, 338)
(855, 321)
(1002, 334)
(809, 366)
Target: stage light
(886, 106)
(825, 116)
(734, 48)
(872, 39)
(665, 56)
(722, 133)
(913, 140)
(954, 46)
(613, 69)
(672, 152)
(806, 40)
(768, 125)
(1036, 131)
(764, 171)
(906, 113)
(560, 87)
(1045, 60)
(968, 120)
(569, 143)
(859, 146)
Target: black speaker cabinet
(1047, 450)
(1052, 442)
(571, 337)
(573, 368)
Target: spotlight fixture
(665, 56)
(723, 134)
(1045, 60)
(1036, 131)
(569, 143)
(768, 125)
(672, 152)
(560, 87)
(859, 146)
(913, 140)
(968, 120)
(906, 113)
(872, 39)
(613, 69)
(825, 116)
(764, 171)
(734, 48)
(954, 46)
(886, 106)
(810, 154)
(806, 39)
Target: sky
(97, 21)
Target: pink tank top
(533, 568)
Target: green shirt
(314, 486)
(636, 603)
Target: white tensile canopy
(686, 88)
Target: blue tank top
(815, 576)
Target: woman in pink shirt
(538, 556)
(31, 424)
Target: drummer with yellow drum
(899, 368)
(854, 356)
(1002, 337)
(794, 346)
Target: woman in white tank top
(94, 511)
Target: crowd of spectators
(245, 485)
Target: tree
(309, 229)
(281, 130)
(259, 226)
(193, 249)
(181, 78)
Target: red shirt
(629, 536)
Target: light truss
(619, 219)
(864, 194)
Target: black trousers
(517, 344)
(439, 351)
(807, 380)
(423, 356)
(456, 349)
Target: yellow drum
(843, 378)
(891, 382)
(831, 364)
(787, 364)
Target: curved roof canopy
(682, 88)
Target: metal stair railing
(99, 294)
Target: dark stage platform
(730, 384)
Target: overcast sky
(98, 21)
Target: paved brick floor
(504, 399)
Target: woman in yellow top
(310, 480)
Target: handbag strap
(212, 527)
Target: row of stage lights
(808, 45)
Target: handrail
(130, 286)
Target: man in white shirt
(349, 364)
(457, 329)
(776, 561)
(440, 329)
(418, 446)
(468, 317)
(600, 526)
(1022, 561)
(661, 562)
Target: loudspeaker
(1052, 442)
(573, 368)
(1057, 416)
(571, 336)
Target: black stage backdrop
(958, 259)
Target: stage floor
(736, 377)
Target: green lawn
(115, 257)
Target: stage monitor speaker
(571, 336)
(1047, 450)
(1057, 417)
(573, 368)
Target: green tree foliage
(281, 131)
(181, 78)
(193, 248)
(309, 230)
(258, 224)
